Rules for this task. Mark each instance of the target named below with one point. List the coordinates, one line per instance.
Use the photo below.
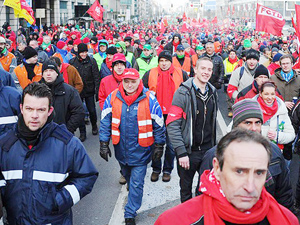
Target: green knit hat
(199, 47)
(247, 43)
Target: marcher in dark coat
(172, 46)
(66, 100)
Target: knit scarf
(30, 69)
(165, 89)
(217, 209)
(46, 47)
(117, 77)
(64, 72)
(175, 45)
(232, 61)
(287, 76)
(129, 99)
(108, 64)
(268, 111)
(252, 72)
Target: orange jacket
(146, 138)
(194, 60)
(186, 64)
(6, 61)
(22, 75)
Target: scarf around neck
(46, 47)
(108, 64)
(117, 77)
(217, 209)
(129, 99)
(268, 111)
(232, 61)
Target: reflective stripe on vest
(186, 66)
(177, 78)
(129, 57)
(144, 66)
(145, 137)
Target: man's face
(83, 55)
(135, 45)
(286, 65)
(284, 47)
(243, 175)
(229, 47)
(21, 47)
(252, 63)
(32, 60)
(232, 55)
(2, 46)
(153, 45)
(261, 79)
(130, 85)
(274, 53)
(119, 50)
(103, 48)
(164, 64)
(127, 43)
(33, 44)
(35, 111)
(210, 49)
(47, 40)
(176, 39)
(180, 52)
(204, 71)
(50, 75)
(253, 124)
(267, 53)
(119, 68)
(110, 57)
(147, 52)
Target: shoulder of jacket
(8, 140)
(61, 133)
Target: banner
(15, 4)
(269, 20)
(96, 11)
(21, 10)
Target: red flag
(297, 9)
(215, 20)
(92, 27)
(228, 11)
(162, 27)
(96, 11)
(269, 20)
(233, 10)
(29, 14)
(184, 28)
(184, 17)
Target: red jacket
(108, 84)
(272, 67)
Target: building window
(63, 5)
(73, 3)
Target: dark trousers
(90, 104)
(187, 176)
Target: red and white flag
(96, 11)
(269, 20)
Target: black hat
(94, 39)
(82, 48)
(137, 42)
(261, 70)
(29, 52)
(252, 54)
(165, 54)
(50, 64)
(111, 50)
(127, 39)
(70, 42)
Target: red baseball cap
(119, 57)
(131, 74)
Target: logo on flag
(96, 11)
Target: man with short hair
(129, 47)
(164, 80)
(218, 69)
(243, 76)
(146, 61)
(182, 61)
(191, 124)
(47, 46)
(172, 46)
(233, 192)
(66, 100)
(287, 80)
(7, 60)
(265, 58)
(45, 170)
(42, 56)
(247, 114)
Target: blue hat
(180, 48)
(277, 57)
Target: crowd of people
(158, 92)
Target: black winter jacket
(278, 182)
(89, 72)
(67, 104)
(218, 70)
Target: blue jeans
(169, 159)
(135, 176)
(90, 104)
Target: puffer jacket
(128, 151)
(41, 184)
(278, 182)
(88, 70)
(282, 137)
(290, 89)
(10, 99)
(182, 117)
(67, 104)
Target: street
(106, 202)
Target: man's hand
(104, 150)
(289, 105)
(157, 152)
(271, 134)
(184, 162)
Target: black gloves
(157, 152)
(104, 150)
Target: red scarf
(217, 208)
(117, 77)
(176, 44)
(232, 61)
(268, 111)
(109, 64)
(129, 99)
(64, 72)
(165, 89)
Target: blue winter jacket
(65, 55)
(10, 100)
(41, 184)
(128, 151)
(104, 71)
(6, 78)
